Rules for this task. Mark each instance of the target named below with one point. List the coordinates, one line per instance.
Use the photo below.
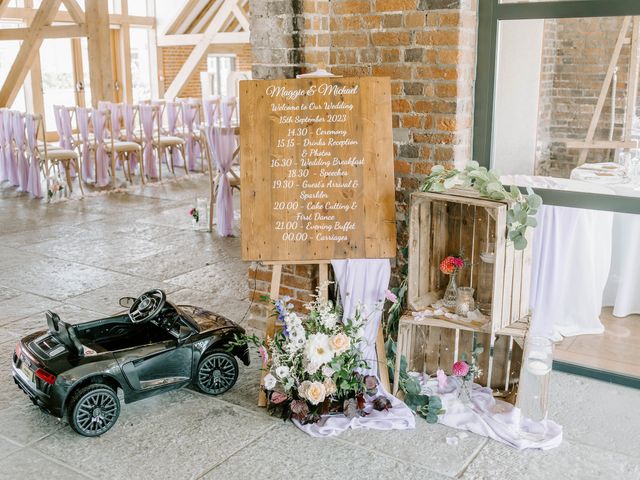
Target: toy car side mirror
(185, 332)
(127, 302)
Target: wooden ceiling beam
(195, 38)
(185, 16)
(199, 51)
(31, 44)
(100, 54)
(51, 31)
(26, 15)
(74, 10)
(3, 6)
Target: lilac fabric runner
(172, 128)
(129, 114)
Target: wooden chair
(122, 149)
(55, 158)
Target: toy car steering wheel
(147, 306)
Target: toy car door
(161, 364)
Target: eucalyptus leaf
(520, 243)
(534, 201)
(450, 182)
(437, 169)
(532, 222)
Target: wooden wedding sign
(317, 169)
(316, 159)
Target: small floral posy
(451, 264)
(55, 189)
(194, 214)
(312, 363)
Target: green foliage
(523, 208)
(427, 406)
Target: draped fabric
(147, 117)
(103, 105)
(116, 116)
(34, 185)
(102, 169)
(189, 117)
(82, 116)
(21, 157)
(58, 120)
(210, 108)
(4, 170)
(65, 130)
(172, 128)
(364, 282)
(10, 157)
(222, 143)
(128, 114)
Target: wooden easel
(632, 87)
(323, 274)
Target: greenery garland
(522, 208)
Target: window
(219, 67)
(140, 64)
(58, 85)
(554, 94)
(8, 52)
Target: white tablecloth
(571, 261)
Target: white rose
(312, 368)
(327, 371)
(318, 351)
(316, 392)
(340, 343)
(282, 372)
(329, 386)
(269, 381)
(302, 389)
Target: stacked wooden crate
(451, 223)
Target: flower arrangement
(56, 188)
(451, 264)
(313, 363)
(522, 209)
(193, 212)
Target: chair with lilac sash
(129, 113)
(9, 152)
(84, 142)
(148, 118)
(170, 144)
(222, 145)
(22, 162)
(116, 149)
(192, 132)
(4, 169)
(99, 120)
(34, 183)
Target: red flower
(450, 264)
(460, 369)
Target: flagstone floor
(78, 257)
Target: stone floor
(78, 257)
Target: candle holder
(464, 301)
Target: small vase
(451, 293)
(194, 224)
(465, 391)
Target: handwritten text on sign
(317, 169)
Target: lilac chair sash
(128, 114)
(102, 169)
(21, 157)
(172, 126)
(67, 130)
(211, 110)
(9, 154)
(222, 143)
(4, 170)
(82, 117)
(189, 117)
(147, 117)
(34, 184)
(103, 105)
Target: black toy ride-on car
(76, 370)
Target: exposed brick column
(427, 47)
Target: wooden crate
(444, 224)
(429, 344)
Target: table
(622, 290)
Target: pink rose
(460, 369)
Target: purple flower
(264, 354)
(390, 296)
(460, 369)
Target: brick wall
(174, 57)
(427, 47)
(576, 56)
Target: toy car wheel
(217, 373)
(93, 410)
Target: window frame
(490, 14)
